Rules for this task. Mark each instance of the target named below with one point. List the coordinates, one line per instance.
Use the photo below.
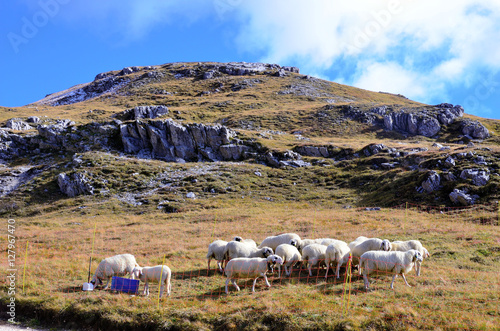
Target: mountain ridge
(260, 114)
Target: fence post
(406, 217)
(92, 251)
(348, 273)
(25, 260)
(159, 284)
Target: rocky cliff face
(171, 141)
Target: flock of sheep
(247, 260)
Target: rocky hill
(146, 135)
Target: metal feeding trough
(125, 285)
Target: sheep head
(272, 260)
(418, 259)
(136, 272)
(386, 245)
(267, 251)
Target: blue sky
(429, 51)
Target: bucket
(125, 285)
(88, 287)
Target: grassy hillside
(141, 206)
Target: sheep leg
(233, 281)
(255, 281)
(107, 283)
(279, 271)
(309, 267)
(169, 288)
(404, 278)
(146, 288)
(365, 279)
(338, 269)
(327, 267)
(208, 264)
(235, 285)
(161, 289)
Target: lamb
(236, 249)
(312, 254)
(290, 255)
(404, 246)
(156, 273)
(250, 268)
(118, 265)
(362, 245)
(275, 241)
(391, 262)
(337, 252)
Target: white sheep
(216, 251)
(362, 245)
(156, 273)
(357, 241)
(118, 265)
(245, 241)
(337, 253)
(300, 244)
(404, 246)
(275, 241)
(389, 262)
(250, 268)
(329, 241)
(236, 249)
(312, 254)
(290, 255)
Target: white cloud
(421, 48)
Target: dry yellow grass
(458, 288)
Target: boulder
(312, 151)
(479, 177)
(474, 129)
(18, 124)
(75, 184)
(449, 176)
(52, 132)
(149, 112)
(459, 197)
(209, 74)
(432, 182)
(449, 162)
(449, 113)
(373, 149)
(33, 119)
(412, 123)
